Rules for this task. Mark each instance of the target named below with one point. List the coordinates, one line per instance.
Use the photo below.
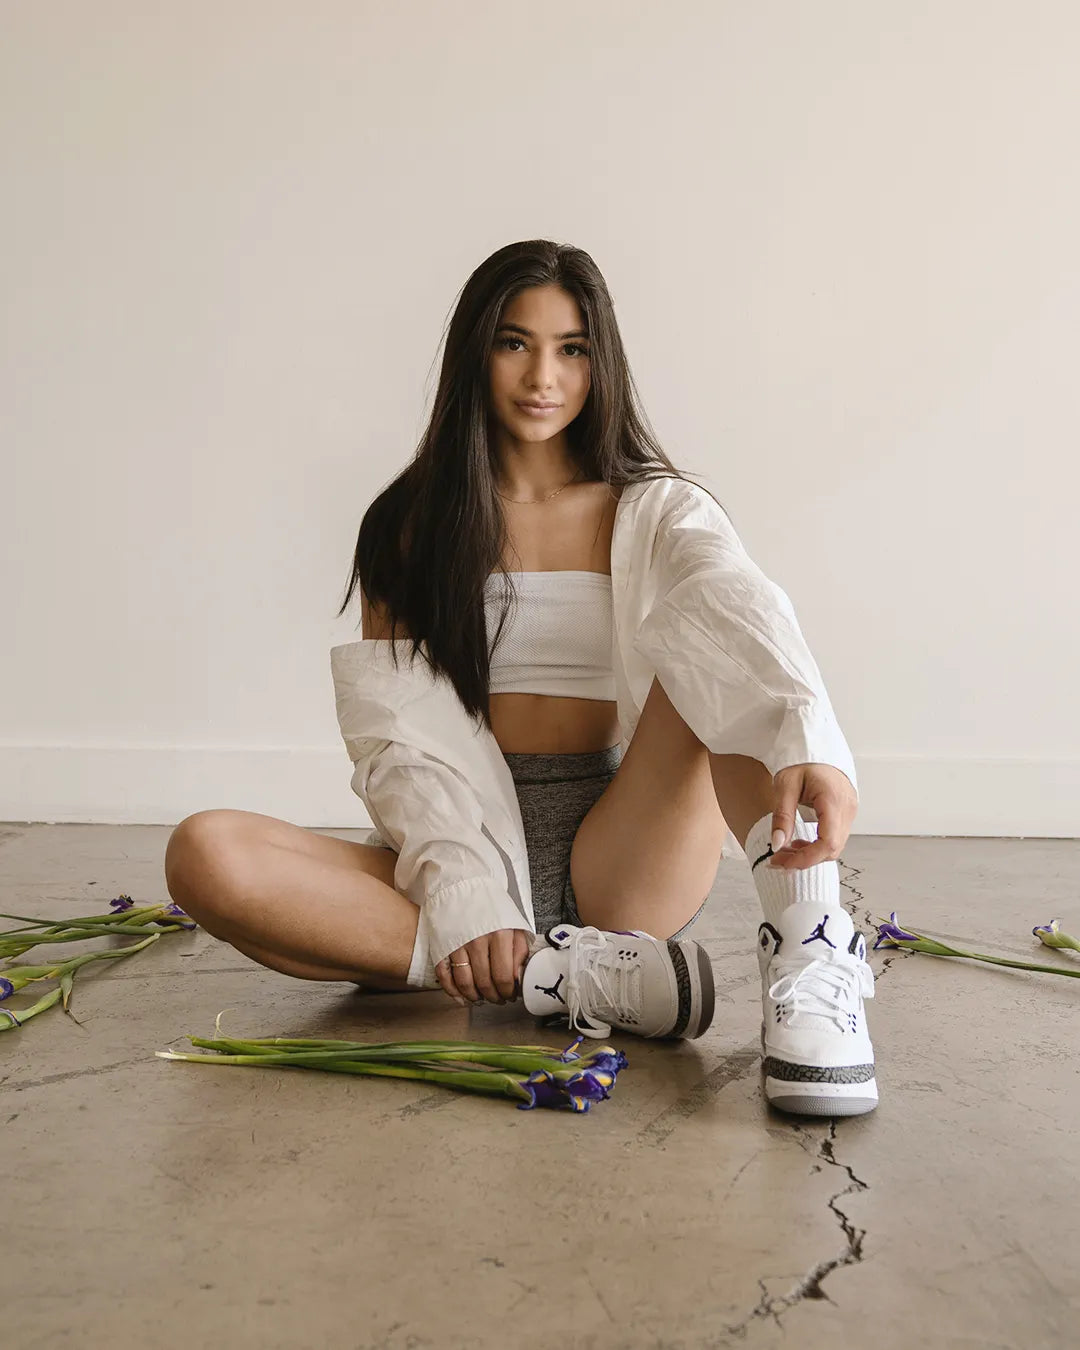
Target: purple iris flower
(1051, 934)
(174, 911)
(891, 933)
(545, 1091)
(588, 1086)
(608, 1061)
(122, 902)
(578, 1092)
(6, 989)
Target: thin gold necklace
(531, 501)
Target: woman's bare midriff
(540, 724)
(573, 533)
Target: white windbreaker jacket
(689, 606)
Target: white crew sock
(780, 887)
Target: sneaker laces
(823, 987)
(597, 984)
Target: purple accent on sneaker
(818, 935)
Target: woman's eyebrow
(517, 328)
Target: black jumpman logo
(553, 992)
(819, 932)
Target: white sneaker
(818, 1059)
(632, 981)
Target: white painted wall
(841, 239)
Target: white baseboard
(159, 785)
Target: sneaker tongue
(815, 929)
(811, 930)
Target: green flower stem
(12, 949)
(77, 929)
(24, 1014)
(491, 1084)
(934, 948)
(496, 1057)
(287, 1041)
(20, 975)
(528, 1057)
(77, 961)
(76, 934)
(65, 970)
(141, 915)
(83, 918)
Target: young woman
(600, 683)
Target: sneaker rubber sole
(806, 1089)
(691, 962)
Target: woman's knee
(207, 852)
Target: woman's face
(540, 354)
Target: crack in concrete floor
(866, 917)
(811, 1284)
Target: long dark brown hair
(430, 539)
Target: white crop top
(557, 637)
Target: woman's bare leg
(302, 903)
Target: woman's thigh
(228, 835)
(646, 854)
(277, 892)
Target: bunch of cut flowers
(530, 1075)
(124, 918)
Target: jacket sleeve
(447, 864)
(728, 649)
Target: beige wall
(842, 241)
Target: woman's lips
(533, 411)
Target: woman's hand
(829, 791)
(490, 967)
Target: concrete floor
(158, 1204)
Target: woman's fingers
(800, 853)
(490, 967)
(461, 974)
(521, 956)
(481, 969)
(501, 955)
(446, 983)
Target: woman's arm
(727, 645)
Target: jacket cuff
(466, 909)
(811, 735)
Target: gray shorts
(555, 793)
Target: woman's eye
(506, 341)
